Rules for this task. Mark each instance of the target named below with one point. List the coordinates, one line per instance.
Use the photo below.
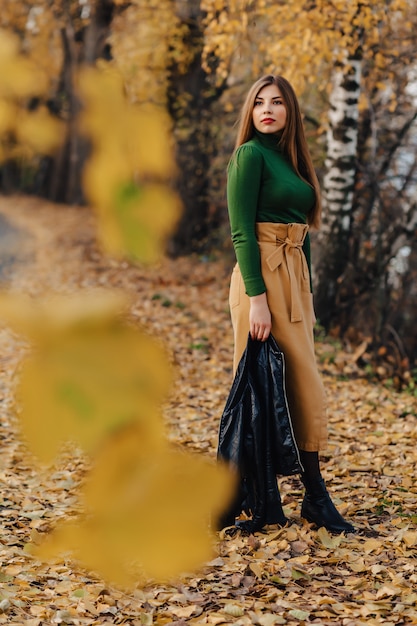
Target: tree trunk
(190, 96)
(338, 189)
(80, 48)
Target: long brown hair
(293, 141)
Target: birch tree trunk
(338, 188)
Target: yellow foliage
(39, 319)
(42, 132)
(148, 511)
(135, 215)
(89, 374)
(87, 385)
(20, 78)
(40, 25)
(91, 379)
(141, 134)
(7, 116)
(138, 221)
(302, 40)
(146, 38)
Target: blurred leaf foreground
(91, 378)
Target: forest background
(354, 68)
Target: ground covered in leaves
(288, 576)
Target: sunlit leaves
(89, 382)
(126, 178)
(328, 540)
(162, 37)
(42, 132)
(41, 319)
(302, 40)
(7, 115)
(97, 382)
(87, 377)
(140, 221)
(20, 78)
(147, 507)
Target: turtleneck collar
(270, 141)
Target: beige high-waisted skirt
(286, 276)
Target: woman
(273, 197)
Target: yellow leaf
(139, 221)
(89, 381)
(7, 116)
(148, 511)
(371, 545)
(142, 134)
(257, 569)
(56, 313)
(134, 217)
(410, 538)
(327, 540)
(105, 172)
(184, 612)
(291, 534)
(149, 133)
(89, 373)
(19, 77)
(40, 130)
(270, 619)
(387, 591)
(358, 566)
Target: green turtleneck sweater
(262, 186)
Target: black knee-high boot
(317, 506)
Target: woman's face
(269, 113)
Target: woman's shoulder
(250, 151)
(252, 146)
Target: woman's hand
(259, 317)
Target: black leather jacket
(256, 436)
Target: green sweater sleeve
(243, 185)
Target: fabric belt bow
(288, 248)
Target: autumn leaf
(42, 132)
(19, 77)
(26, 131)
(7, 116)
(327, 540)
(127, 176)
(149, 508)
(140, 221)
(38, 318)
(88, 375)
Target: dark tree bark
(84, 40)
(190, 98)
(80, 48)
